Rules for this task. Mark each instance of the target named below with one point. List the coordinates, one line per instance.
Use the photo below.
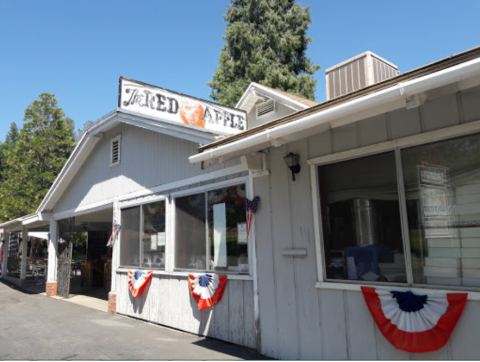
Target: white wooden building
(293, 289)
(368, 145)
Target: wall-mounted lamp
(292, 163)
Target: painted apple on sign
(193, 115)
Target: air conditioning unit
(357, 73)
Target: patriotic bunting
(207, 290)
(251, 207)
(415, 323)
(138, 281)
(113, 236)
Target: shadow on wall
(139, 302)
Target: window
(363, 213)
(442, 187)
(115, 151)
(153, 235)
(130, 240)
(143, 236)
(210, 231)
(361, 218)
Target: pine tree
(10, 141)
(70, 123)
(12, 135)
(266, 43)
(43, 146)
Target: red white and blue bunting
(415, 323)
(207, 289)
(138, 281)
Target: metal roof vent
(115, 151)
(265, 108)
(357, 73)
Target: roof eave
(395, 95)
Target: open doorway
(84, 265)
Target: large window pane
(227, 229)
(190, 232)
(130, 242)
(442, 182)
(153, 238)
(361, 220)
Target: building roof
(377, 87)
(305, 101)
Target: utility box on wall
(357, 73)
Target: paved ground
(33, 326)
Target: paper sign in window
(153, 242)
(161, 239)
(242, 233)
(219, 235)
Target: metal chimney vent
(357, 73)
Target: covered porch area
(63, 256)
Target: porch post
(23, 266)
(112, 295)
(6, 235)
(52, 259)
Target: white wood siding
(148, 159)
(167, 301)
(299, 321)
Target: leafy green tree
(43, 146)
(266, 43)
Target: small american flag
(251, 207)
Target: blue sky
(78, 49)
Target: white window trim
(119, 139)
(388, 146)
(205, 188)
(184, 274)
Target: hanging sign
(433, 175)
(138, 281)
(207, 289)
(415, 323)
(175, 107)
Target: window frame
(112, 141)
(395, 146)
(204, 189)
(140, 234)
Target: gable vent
(115, 151)
(265, 108)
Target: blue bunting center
(409, 302)
(204, 280)
(138, 274)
